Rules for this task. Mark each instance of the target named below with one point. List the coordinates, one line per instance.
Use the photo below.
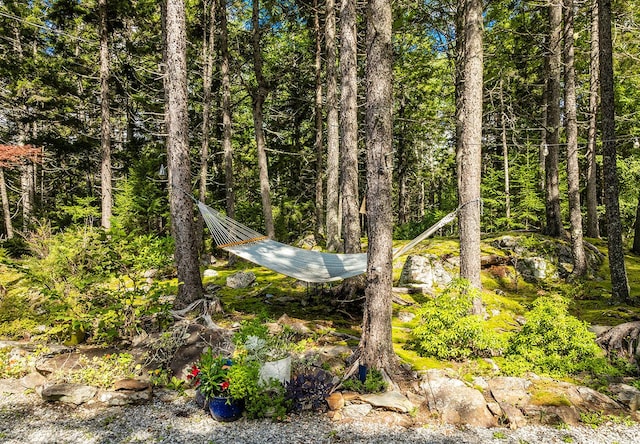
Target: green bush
(446, 329)
(554, 343)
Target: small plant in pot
(212, 377)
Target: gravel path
(24, 419)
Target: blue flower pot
(225, 409)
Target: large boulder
(68, 393)
(241, 279)
(426, 270)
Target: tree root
(622, 340)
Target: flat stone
(511, 390)
(33, 380)
(241, 279)
(391, 419)
(131, 384)
(392, 400)
(355, 411)
(68, 393)
(210, 273)
(627, 395)
(11, 386)
(119, 398)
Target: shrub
(553, 342)
(373, 383)
(447, 330)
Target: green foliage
(16, 247)
(269, 401)
(554, 343)
(446, 330)
(373, 383)
(102, 371)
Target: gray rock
(11, 386)
(454, 401)
(533, 268)
(68, 393)
(355, 411)
(510, 390)
(33, 380)
(424, 269)
(392, 400)
(241, 279)
(126, 397)
(626, 394)
(210, 273)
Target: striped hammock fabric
(305, 265)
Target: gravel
(25, 419)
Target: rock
(424, 269)
(392, 400)
(151, 273)
(131, 384)
(335, 401)
(454, 401)
(241, 279)
(510, 390)
(627, 395)
(297, 325)
(69, 393)
(11, 387)
(391, 419)
(126, 397)
(355, 411)
(533, 268)
(33, 380)
(210, 273)
(406, 316)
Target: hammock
(305, 265)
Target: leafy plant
(102, 371)
(373, 383)
(308, 390)
(446, 329)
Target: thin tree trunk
(376, 342)
(552, 185)
(186, 252)
(105, 126)
(208, 56)
(619, 282)
(26, 194)
(593, 228)
(227, 126)
(6, 211)
(636, 231)
(469, 147)
(259, 96)
(349, 126)
(333, 145)
(573, 168)
(505, 157)
(319, 146)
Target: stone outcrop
(427, 270)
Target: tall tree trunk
(6, 211)
(552, 181)
(259, 96)
(505, 157)
(27, 185)
(349, 126)
(376, 343)
(333, 144)
(105, 126)
(318, 145)
(208, 56)
(619, 282)
(573, 168)
(403, 162)
(227, 128)
(186, 252)
(468, 156)
(593, 229)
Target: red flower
(224, 385)
(193, 374)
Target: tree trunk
(186, 253)
(227, 129)
(333, 146)
(6, 211)
(469, 146)
(349, 125)
(376, 342)
(318, 145)
(208, 56)
(505, 157)
(259, 96)
(552, 186)
(593, 229)
(573, 168)
(619, 282)
(27, 186)
(105, 126)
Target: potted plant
(211, 376)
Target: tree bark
(636, 232)
(105, 126)
(6, 211)
(333, 145)
(505, 157)
(258, 97)
(349, 126)
(571, 123)
(227, 124)
(318, 144)
(619, 282)
(593, 228)
(469, 146)
(552, 185)
(182, 217)
(376, 342)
